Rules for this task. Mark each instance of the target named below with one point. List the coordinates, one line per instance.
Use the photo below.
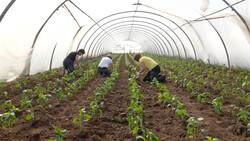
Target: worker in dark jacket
(69, 61)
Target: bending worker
(148, 64)
(68, 62)
(103, 67)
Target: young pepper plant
(192, 126)
(60, 134)
(80, 119)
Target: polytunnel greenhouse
(137, 70)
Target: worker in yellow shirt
(151, 67)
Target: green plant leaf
(74, 120)
(28, 117)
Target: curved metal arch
(114, 28)
(175, 33)
(144, 22)
(150, 43)
(222, 41)
(139, 25)
(136, 27)
(153, 39)
(154, 44)
(152, 14)
(52, 55)
(6, 9)
(139, 28)
(27, 67)
(145, 33)
(238, 14)
(71, 45)
(147, 23)
(109, 43)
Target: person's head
(81, 51)
(109, 56)
(137, 57)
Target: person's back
(103, 67)
(72, 56)
(105, 62)
(151, 67)
(68, 62)
(149, 62)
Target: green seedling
(60, 134)
(217, 104)
(8, 104)
(240, 113)
(202, 97)
(192, 126)
(80, 119)
(209, 138)
(25, 81)
(8, 119)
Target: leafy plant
(17, 85)
(10, 106)
(240, 113)
(60, 134)
(25, 81)
(94, 106)
(181, 110)
(192, 126)
(209, 138)
(43, 97)
(28, 104)
(202, 97)
(60, 93)
(8, 119)
(217, 103)
(80, 119)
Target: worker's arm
(111, 66)
(77, 61)
(143, 69)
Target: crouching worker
(103, 67)
(72, 58)
(148, 64)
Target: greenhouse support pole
(161, 47)
(6, 10)
(143, 22)
(224, 45)
(26, 70)
(50, 66)
(153, 40)
(238, 14)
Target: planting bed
(159, 118)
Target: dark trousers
(105, 72)
(154, 73)
(68, 65)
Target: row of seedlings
(41, 95)
(98, 98)
(135, 110)
(192, 77)
(179, 108)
